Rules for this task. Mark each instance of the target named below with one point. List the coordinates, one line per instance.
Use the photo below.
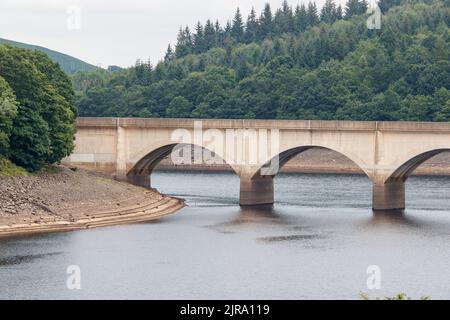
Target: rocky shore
(65, 199)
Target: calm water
(317, 242)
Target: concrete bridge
(388, 152)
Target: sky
(113, 32)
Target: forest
(300, 62)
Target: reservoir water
(316, 242)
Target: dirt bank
(64, 199)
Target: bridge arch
(258, 187)
(146, 160)
(273, 165)
(402, 173)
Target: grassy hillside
(67, 63)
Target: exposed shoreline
(93, 201)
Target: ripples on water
(316, 242)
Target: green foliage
(398, 297)
(43, 129)
(289, 65)
(67, 63)
(385, 5)
(179, 107)
(7, 168)
(355, 7)
(8, 112)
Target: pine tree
(265, 23)
(148, 67)
(284, 19)
(179, 45)
(355, 7)
(363, 6)
(339, 14)
(168, 56)
(188, 40)
(219, 33)
(301, 18)
(237, 29)
(328, 12)
(251, 28)
(139, 70)
(199, 39)
(184, 43)
(385, 5)
(210, 35)
(288, 16)
(227, 31)
(313, 17)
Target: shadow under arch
(273, 166)
(148, 162)
(402, 173)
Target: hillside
(69, 64)
(293, 63)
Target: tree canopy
(37, 109)
(291, 63)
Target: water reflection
(19, 259)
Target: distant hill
(69, 64)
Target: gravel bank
(66, 199)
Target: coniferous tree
(210, 35)
(170, 55)
(265, 23)
(251, 28)
(355, 7)
(385, 5)
(227, 30)
(188, 40)
(237, 29)
(363, 6)
(149, 71)
(283, 20)
(288, 16)
(339, 14)
(184, 43)
(199, 39)
(313, 17)
(301, 18)
(328, 12)
(219, 33)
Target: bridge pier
(256, 191)
(388, 196)
(140, 180)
